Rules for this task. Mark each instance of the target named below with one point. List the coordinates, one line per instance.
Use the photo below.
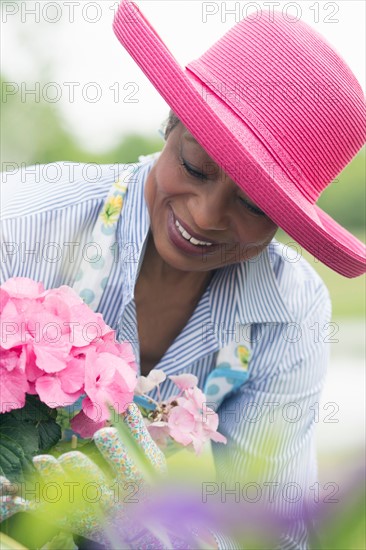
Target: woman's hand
(91, 500)
(81, 498)
(10, 502)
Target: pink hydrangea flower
(184, 381)
(22, 287)
(13, 380)
(55, 346)
(108, 379)
(147, 383)
(14, 387)
(184, 418)
(50, 391)
(85, 426)
(181, 424)
(159, 431)
(191, 422)
(62, 388)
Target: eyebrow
(188, 137)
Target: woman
(188, 207)
(259, 126)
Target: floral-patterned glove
(96, 502)
(10, 502)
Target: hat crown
(295, 93)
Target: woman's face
(200, 219)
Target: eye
(191, 171)
(251, 208)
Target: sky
(67, 52)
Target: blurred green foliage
(348, 295)
(34, 132)
(345, 198)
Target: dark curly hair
(171, 122)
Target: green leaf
(14, 464)
(34, 411)
(49, 433)
(23, 434)
(62, 541)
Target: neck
(156, 269)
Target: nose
(210, 207)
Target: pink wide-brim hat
(276, 108)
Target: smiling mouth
(189, 237)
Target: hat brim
(236, 149)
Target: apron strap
(230, 373)
(94, 271)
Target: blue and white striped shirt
(48, 213)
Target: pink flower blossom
(159, 431)
(50, 391)
(123, 350)
(12, 323)
(85, 426)
(4, 298)
(14, 387)
(55, 346)
(190, 424)
(196, 397)
(13, 380)
(181, 425)
(31, 369)
(184, 381)
(62, 388)
(147, 383)
(108, 380)
(22, 287)
(185, 418)
(10, 359)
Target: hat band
(212, 85)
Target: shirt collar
(259, 297)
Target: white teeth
(189, 238)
